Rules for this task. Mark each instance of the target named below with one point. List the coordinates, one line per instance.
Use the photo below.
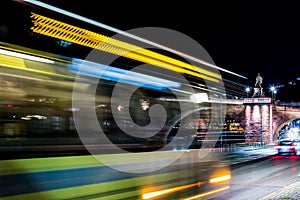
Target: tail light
(277, 146)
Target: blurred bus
(77, 129)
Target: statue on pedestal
(258, 89)
(259, 80)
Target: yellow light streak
(220, 179)
(60, 30)
(25, 56)
(18, 63)
(150, 195)
(31, 53)
(207, 193)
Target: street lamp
(247, 90)
(272, 90)
(275, 91)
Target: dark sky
(243, 36)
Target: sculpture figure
(259, 80)
(258, 90)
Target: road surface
(257, 179)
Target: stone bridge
(282, 115)
(262, 121)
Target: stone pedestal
(258, 92)
(258, 118)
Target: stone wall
(258, 124)
(256, 119)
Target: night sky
(246, 37)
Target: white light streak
(25, 56)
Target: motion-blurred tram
(37, 124)
(38, 107)
(73, 128)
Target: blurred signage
(120, 108)
(145, 104)
(257, 100)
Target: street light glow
(274, 91)
(272, 88)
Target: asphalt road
(257, 179)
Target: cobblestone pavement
(291, 191)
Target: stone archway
(283, 116)
(267, 126)
(290, 130)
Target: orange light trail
(150, 195)
(207, 193)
